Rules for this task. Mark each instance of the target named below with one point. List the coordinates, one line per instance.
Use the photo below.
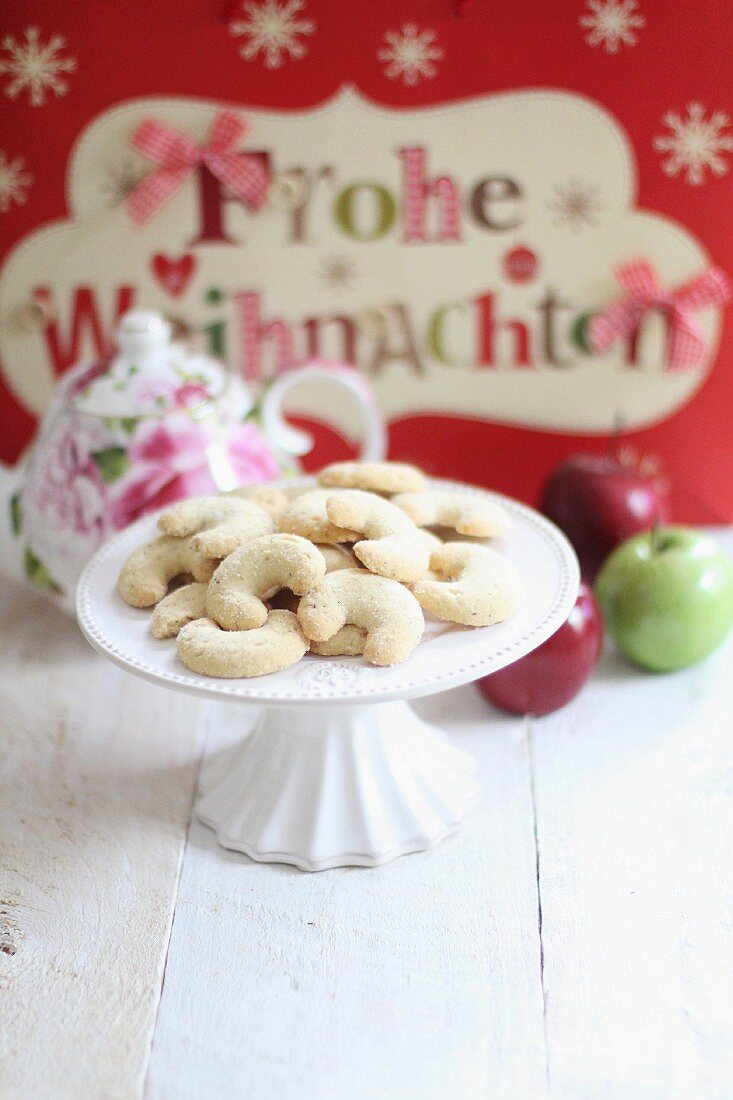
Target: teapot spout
(11, 543)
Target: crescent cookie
(144, 577)
(306, 516)
(257, 571)
(270, 498)
(217, 525)
(389, 614)
(466, 514)
(392, 546)
(346, 642)
(376, 477)
(207, 649)
(471, 585)
(430, 540)
(337, 556)
(178, 608)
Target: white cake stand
(339, 770)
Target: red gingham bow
(686, 343)
(178, 156)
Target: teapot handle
(284, 436)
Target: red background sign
(671, 55)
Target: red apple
(554, 673)
(598, 503)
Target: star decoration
(337, 272)
(575, 206)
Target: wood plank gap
(283, 984)
(203, 723)
(538, 878)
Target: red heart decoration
(174, 275)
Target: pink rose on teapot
(138, 430)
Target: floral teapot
(142, 428)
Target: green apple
(667, 597)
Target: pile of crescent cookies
(250, 581)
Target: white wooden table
(575, 940)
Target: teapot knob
(143, 333)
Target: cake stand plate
(339, 770)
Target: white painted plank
(97, 777)
(633, 787)
(420, 979)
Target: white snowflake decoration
(695, 144)
(14, 182)
(274, 30)
(612, 23)
(410, 54)
(35, 67)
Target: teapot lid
(149, 376)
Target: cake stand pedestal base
(337, 786)
(339, 770)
